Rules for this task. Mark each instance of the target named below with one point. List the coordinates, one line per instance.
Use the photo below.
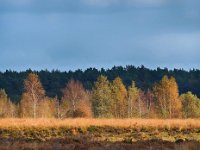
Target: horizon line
(100, 68)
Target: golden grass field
(89, 131)
(109, 134)
(123, 123)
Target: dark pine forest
(54, 81)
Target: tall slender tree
(7, 108)
(101, 98)
(119, 96)
(133, 97)
(33, 95)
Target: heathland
(83, 133)
(112, 130)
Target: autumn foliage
(105, 100)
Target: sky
(77, 34)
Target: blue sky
(72, 34)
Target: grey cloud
(39, 6)
(36, 34)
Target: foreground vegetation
(100, 130)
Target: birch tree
(101, 98)
(119, 96)
(74, 96)
(167, 98)
(7, 108)
(133, 96)
(33, 95)
(191, 105)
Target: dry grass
(121, 123)
(112, 130)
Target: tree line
(55, 80)
(106, 99)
